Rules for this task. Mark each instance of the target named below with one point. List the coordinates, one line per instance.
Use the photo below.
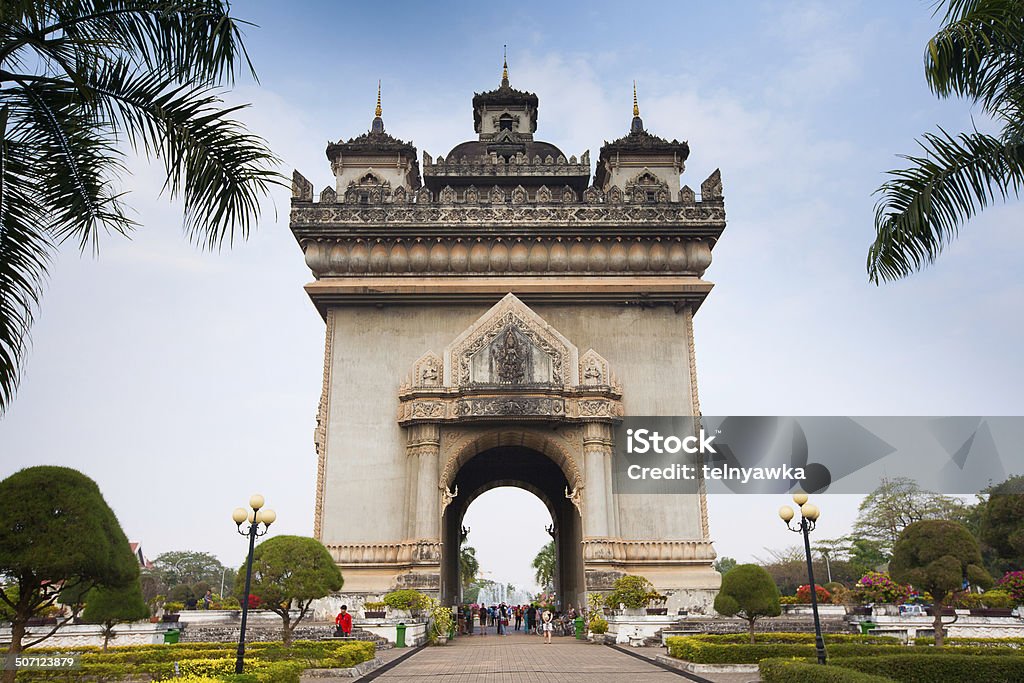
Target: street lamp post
(255, 517)
(808, 518)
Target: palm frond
(922, 207)
(24, 251)
(78, 76)
(978, 52)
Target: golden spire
(636, 107)
(504, 68)
(377, 112)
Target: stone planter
(656, 611)
(442, 640)
(374, 614)
(859, 611)
(171, 618)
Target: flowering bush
(254, 601)
(545, 601)
(1013, 583)
(803, 594)
(788, 600)
(878, 587)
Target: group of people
(525, 618)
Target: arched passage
(533, 471)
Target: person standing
(549, 627)
(343, 623)
(519, 616)
(483, 620)
(531, 618)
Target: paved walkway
(521, 659)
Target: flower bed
(267, 662)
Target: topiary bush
(749, 592)
(803, 594)
(407, 599)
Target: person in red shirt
(344, 622)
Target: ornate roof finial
(504, 69)
(637, 125)
(377, 126)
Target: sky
(182, 381)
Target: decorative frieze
(615, 550)
(404, 553)
(461, 256)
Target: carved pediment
(510, 344)
(510, 364)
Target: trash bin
(400, 635)
(866, 626)
(171, 636)
(580, 635)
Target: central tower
(488, 324)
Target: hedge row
(945, 667)
(702, 652)
(788, 670)
(975, 642)
(793, 638)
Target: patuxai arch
(491, 316)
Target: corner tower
(490, 326)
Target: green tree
(78, 80)
(189, 567)
(112, 606)
(1002, 523)
(56, 534)
(897, 503)
(976, 54)
(938, 556)
(544, 565)
(287, 570)
(749, 593)
(724, 564)
(468, 565)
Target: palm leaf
(922, 207)
(76, 78)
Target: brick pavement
(526, 659)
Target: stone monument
(490, 316)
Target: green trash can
(580, 635)
(866, 626)
(400, 635)
(171, 636)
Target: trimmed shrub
(693, 650)
(407, 599)
(788, 670)
(974, 642)
(944, 666)
(797, 638)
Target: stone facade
(487, 327)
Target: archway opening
(532, 471)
